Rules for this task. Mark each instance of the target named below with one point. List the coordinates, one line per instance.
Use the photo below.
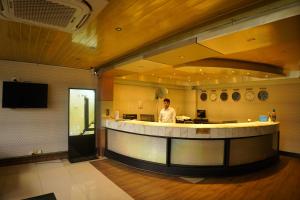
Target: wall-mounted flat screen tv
(24, 95)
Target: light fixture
(118, 29)
(93, 71)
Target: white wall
(284, 96)
(23, 130)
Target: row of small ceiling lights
(160, 79)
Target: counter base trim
(193, 171)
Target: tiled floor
(68, 181)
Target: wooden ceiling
(276, 43)
(142, 23)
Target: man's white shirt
(167, 115)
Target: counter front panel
(152, 149)
(193, 151)
(248, 150)
(197, 152)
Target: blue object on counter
(263, 118)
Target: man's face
(166, 104)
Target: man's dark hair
(167, 100)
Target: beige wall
(284, 96)
(140, 99)
(24, 130)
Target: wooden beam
(235, 64)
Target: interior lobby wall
(23, 131)
(140, 99)
(284, 97)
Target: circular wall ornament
(224, 96)
(236, 96)
(249, 95)
(263, 95)
(203, 96)
(213, 96)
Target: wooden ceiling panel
(142, 66)
(279, 32)
(286, 55)
(142, 22)
(183, 54)
(6, 51)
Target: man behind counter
(167, 114)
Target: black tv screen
(24, 95)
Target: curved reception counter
(193, 149)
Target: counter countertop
(230, 130)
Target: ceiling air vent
(65, 15)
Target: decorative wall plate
(263, 95)
(236, 96)
(224, 96)
(249, 95)
(203, 96)
(213, 96)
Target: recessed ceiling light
(200, 70)
(250, 39)
(118, 29)
(123, 77)
(181, 57)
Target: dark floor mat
(49, 196)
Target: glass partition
(81, 124)
(81, 112)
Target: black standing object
(49, 196)
(86, 114)
(82, 147)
